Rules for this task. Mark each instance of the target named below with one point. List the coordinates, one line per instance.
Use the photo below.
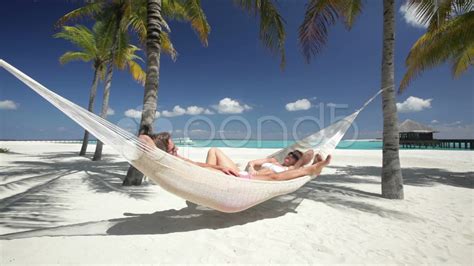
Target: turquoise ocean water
(344, 144)
(273, 144)
(359, 145)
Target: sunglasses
(294, 155)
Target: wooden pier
(439, 143)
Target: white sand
(72, 210)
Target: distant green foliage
(4, 150)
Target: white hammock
(196, 184)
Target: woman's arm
(257, 164)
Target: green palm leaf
(137, 72)
(167, 46)
(195, 15)
(88, 10)
(313, 32)
(319, 16)
(79, 35)
(75, 56)
(463, 61)
(436, 12)
(272, 25)
(453, 40)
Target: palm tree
(148, 22)
(115, 16)
(272, 34)
(135, 14)
(313, 35)
(449, 37)
(93, 47)
(122, 57)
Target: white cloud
(132, 113)
(226, 105)
(453, 124)
(229, 106)
(208, 112)
(302, 104)
(110, 111)
(190, 110)
(434, 121)
(177, 111)
(8, 105)
(413, 104)
(194, 110)
(410, 16)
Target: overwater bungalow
(417, 135)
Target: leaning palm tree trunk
(153, 48)
(90, 108)
(392, 180)
(105, 104)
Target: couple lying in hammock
(261, 169)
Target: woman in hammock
(261, 169)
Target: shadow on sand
(411, 176)
(40, 187)
(333, 190)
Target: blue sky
(234, 80)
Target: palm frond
(167, 46)
(80, 36)
(103, 39)
(349, 10)
(463, 6)
(313, 32)
(435, 13)
(272, 25)
(435, 47)
(424, 11)
(131, 53)
(121, 50)
(137, 72)
(89, 10)
(463, 61)
(75, 56)
(174, 10)
(138, 25)
(197, 18)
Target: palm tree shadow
(190, 218)
(413, 176)
(336, 190)
(36, 190)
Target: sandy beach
(57, 207)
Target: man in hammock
(261, 169)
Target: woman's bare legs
(314, 169)
(217, 157)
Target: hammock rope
(191, 182)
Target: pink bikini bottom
(245, 174)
